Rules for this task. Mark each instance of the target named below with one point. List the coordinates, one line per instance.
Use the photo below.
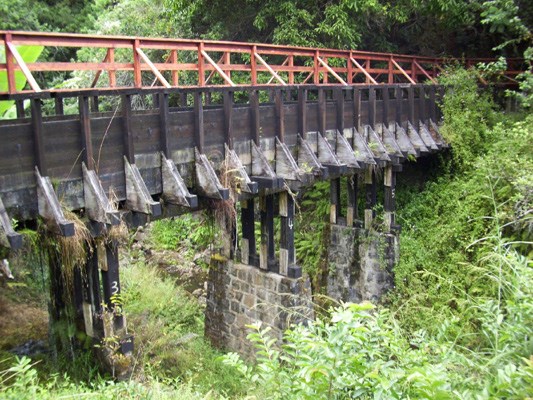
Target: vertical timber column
(370, 183)
(267, 260)
(92, 306)
(248, 247)
(390, 197)
(111, 286)
(372, 107)
(287, 254)
(302, 111)
(399, 104)
(422, 108)
(411, 105)
(335, 200)
(432, 104)
(386, 107)
(352, 213)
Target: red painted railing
(146, 62)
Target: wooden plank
(386, 106)
(286, 166)
(357, 108)
(322, 111)
(255, 128)
(422, 117)
(207, 182)
(411, 104)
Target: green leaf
(29, 54)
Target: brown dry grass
(20, 322)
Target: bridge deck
(336, 124)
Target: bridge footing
(360, 263)
(239, 295)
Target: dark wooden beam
(248, 246)
(129, 150)
(162, 100)
(287, 253)
(86, 137)
(302, 111)
(199, 134)
(38, 140)
(228, 117)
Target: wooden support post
(38, 140)
(92, 312)
(389, 179)
(111, 287)
(339, 98)
(280, 115)
(352, 213)
(58, 106)
(19, 104)
(95, 104)
(422, 105)
(334, 200)
(432, 104)
(322, 111)
(370, 183)
(287, 254)
(129, 150)
(372, 107)
(386, 106)
(85, 126)
(199, 134)
(248, 247)
(228, 116)
(164, 135)
(137, 77)
(10, 65)
(357, 108)
(255, 127)
(411, 105)
(267, 259)
(399, 104)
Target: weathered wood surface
(272, 135)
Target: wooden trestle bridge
(276, 118)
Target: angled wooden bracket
(343, 150)
(415, 139)
(49, 207)
(152, 67)
(376, 145)
(174, 188)
(325, 154)
(8, 237)
(207, 182)
(425, 135)
(435, 133)
(97, 204)
(217, 68)
(237, 170)
(262, 172)
(362, 152)
(331, 71)
(403, 71)
(286, 166)
(138, 197)
(269, 68)
(392, 147)
(307, 160)
(368, 76)
(403, 141)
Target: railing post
(391, 77)
(111, 72)
(174, 60)
(137, 78)
(10, 65)
(201, 67)
(291, 73)
(413, 70)
(253, 64)
(316, 73)
(349, 65)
